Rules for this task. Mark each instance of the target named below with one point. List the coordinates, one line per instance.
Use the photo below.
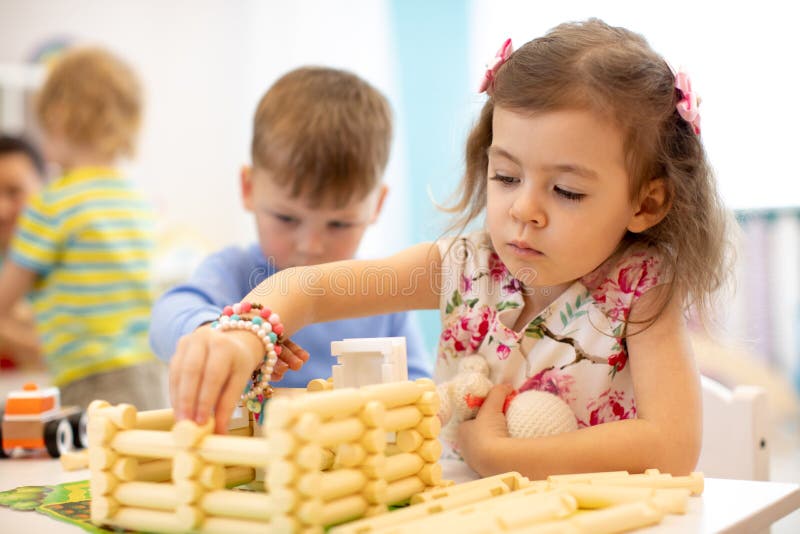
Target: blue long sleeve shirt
(228, 276)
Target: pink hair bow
(491, 69)
(688, 104)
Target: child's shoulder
(626, 276)
(473, 272)
(250, 255)
(470, 250)
(90, 184)
(242, 261)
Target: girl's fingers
(231, 392)
(175, 373)
(495, 399)
(215, 375)
(189, 380)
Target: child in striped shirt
(84, 244)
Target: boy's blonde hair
(325, 132)
(93, 99)
(614, 72)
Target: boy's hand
(292, 357)
(210, 369)
(478, 437)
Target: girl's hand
(477, 438)
(210, 369)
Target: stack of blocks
(328, 462)
(343, 452)
(325, 456)
(149, 473)
(329, 456)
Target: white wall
(742, 58)
(205, 65)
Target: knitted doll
(529, 414)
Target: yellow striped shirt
(89, 237)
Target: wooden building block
(237, 505)
(74, 460)
(155, 419)
(511, 480)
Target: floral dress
(574, 348)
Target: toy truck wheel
(80, 438)
(3, 453)
(58, 437)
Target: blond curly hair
(94, 100)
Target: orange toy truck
(35, 419)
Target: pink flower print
(467, 332)
(513, 286)
(449, 335)
(618, 360)
(595, 279)
(466, 284)
(610, 406)
(503, 351)
(649, 278)
(638, 277)
(629, 277)
(619, 309)
(483, 327)
(497, 269)
(552, 381)
(486, 317)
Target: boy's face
(18, 180)
(293, 231)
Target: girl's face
(557, 198)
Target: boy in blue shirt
(321, 141)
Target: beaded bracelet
(268, 327)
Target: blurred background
(205, 64)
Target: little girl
(602, 224)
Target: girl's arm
(210, 368)
(353, 288)
(666, 435)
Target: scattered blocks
(584, 503)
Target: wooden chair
(735, 432)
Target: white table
(726, 505)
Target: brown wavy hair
(94, 99)
(325, 132)
(614, 72)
